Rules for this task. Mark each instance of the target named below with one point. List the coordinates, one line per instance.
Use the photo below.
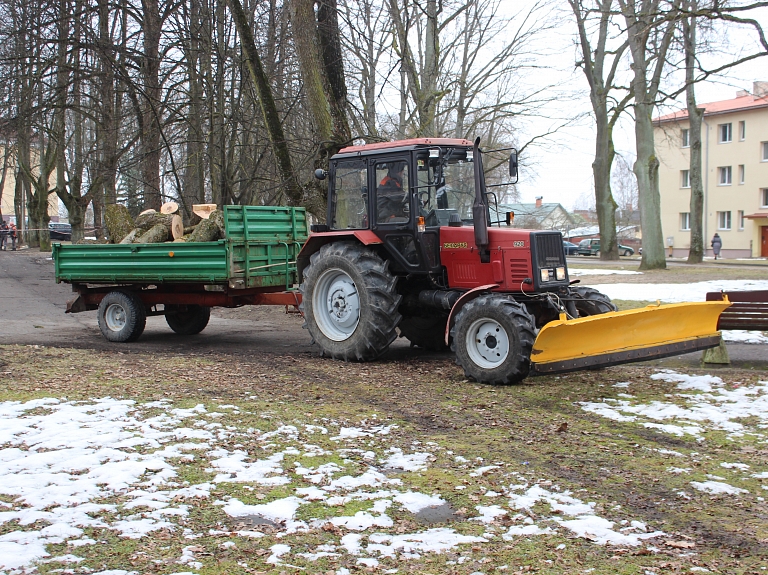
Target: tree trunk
(601, 170)
(151, 106)
(695, 115)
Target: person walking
(717, 243)
(3, 234)
(12, 234)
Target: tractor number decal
(518, 244)
(454, 245)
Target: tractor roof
(400, 145)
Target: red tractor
(415, 242)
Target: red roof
(748, 102)
(757, 216)
(403, 143)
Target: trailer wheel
(122, 316)
(187, 319)
(589, 301)
(425, 332)
(493, 337)
(350, 302)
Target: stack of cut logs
(152, 227)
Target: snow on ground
(676, 293)
(70, 471)
(599, 272)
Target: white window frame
(742, 130)
(685, 221)
(740, 216)
(724, 176)
(724, 221)
(724, 133)
(742, 174)
(685, 138)
(685, 178)
(764, 146)
(764, 198)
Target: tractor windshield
(446, 187)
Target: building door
(764, 245)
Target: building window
(686, 137)
(685, 221)
(725, 135)
(764, 198)
(742, 131)
(741, 173)
(724, 175)
(723, 220)
(741, 219)
(685, 178)
(764, 146)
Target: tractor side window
(392, 206)
(350, 203)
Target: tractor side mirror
(510, 218)
(320, 174)
(513, 164)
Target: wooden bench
(749, 311)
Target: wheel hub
(337, 305)
(487, 343)
(115, 317)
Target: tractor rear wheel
(350, 301)
(589, 301)
(188, 319)
(425, 332)
(492, 338)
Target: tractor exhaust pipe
(479, 209)
(440, 299)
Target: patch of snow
(738, 336)
(717, 488)
(415, 502)
(601, 272)
(406, 462)
(676, 293)
(600, 531)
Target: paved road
(32, 309)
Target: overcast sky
(562, 170)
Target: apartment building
(734, 170)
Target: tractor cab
(405, 191)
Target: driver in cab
(391, 195)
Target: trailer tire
(425, 332)
(589, 301)
(350, 301)
(189, 321)
(493, 337)
(122, 316)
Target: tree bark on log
(118, 221)
(217, 217)
(156, 235)
(152, 219)
(131, 237)
(206, 231)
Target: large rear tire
(187, 319)
(122, 316)
(425, 332)
(589, 301)
(350, 302)
(492, 338)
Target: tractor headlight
(545, 275)
(560, 273)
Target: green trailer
(254, 265)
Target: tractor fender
(463, 299)
(318, 240)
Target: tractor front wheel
(492, 338)
(350, 302)
(589, 301)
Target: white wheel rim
(115, 317)
(336, 305)
(487, 343)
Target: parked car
(592, 248)
(60, 231)
(570, 248)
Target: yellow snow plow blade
(626, 336)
